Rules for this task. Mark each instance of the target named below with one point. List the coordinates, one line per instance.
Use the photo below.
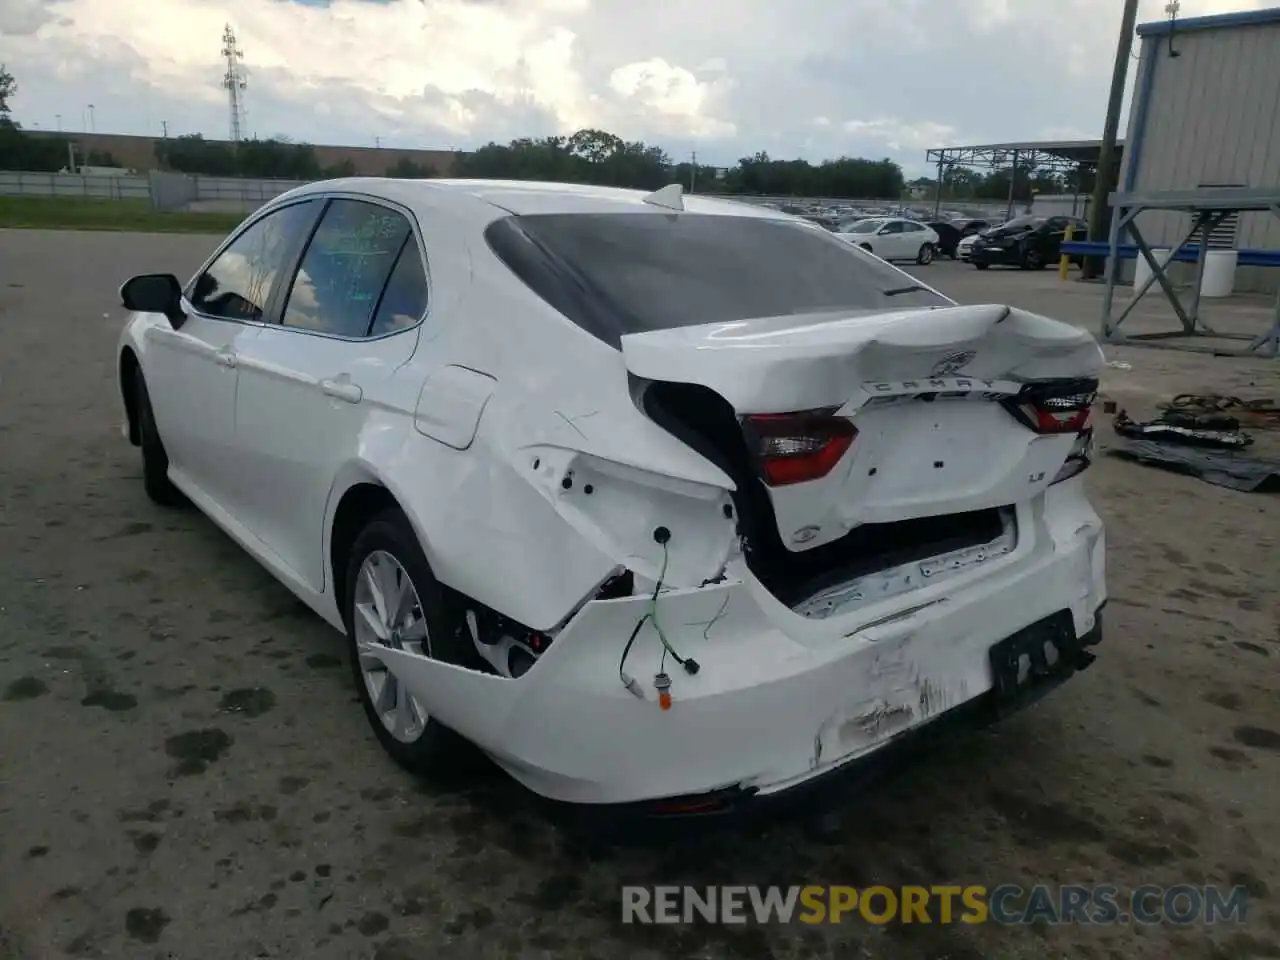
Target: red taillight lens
(1056, 407)
(798, 447)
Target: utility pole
(164, 129)
(58, 118)
(693, 170)
(93, 126)
(1105, 177)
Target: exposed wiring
(714, 620)
(690, 665)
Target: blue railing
(1189, 254)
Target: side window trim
(245, 227)
(273, 315)
(386, 285)
(415, 234)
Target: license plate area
(1034, 660)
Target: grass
(88, 213)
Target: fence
(181, 191)
(73, 185)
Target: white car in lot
(655, 499)
(892, 238)
(965, 247)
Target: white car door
(192, 372)
(310, 382)
(888, 243)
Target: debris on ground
(1193, 436)
(1261, 412)
(1214, 431)
(1224, 468)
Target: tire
(982, 266)
(924, 256)
(155, 462)
(1031, 260)
(413, 739)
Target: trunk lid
(929, 393)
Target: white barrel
(1219, 273)
(1142, 269)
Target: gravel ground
(185, 772)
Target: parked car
(968, 227)
(948, 237)
(655, 499)
(1029, 242)
(892, 238)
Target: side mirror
(882, 231)
(154, 293)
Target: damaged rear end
(875, 453)
(898, 527)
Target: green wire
(653, 609)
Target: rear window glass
(618, 273)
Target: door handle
(341, 388)
(226, 357)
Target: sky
(725, 78)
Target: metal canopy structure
(1056, 156)
(1060, 156)
(1208, 208)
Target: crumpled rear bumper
(778, 700)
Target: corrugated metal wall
(1213, 119)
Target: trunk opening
(705, 421)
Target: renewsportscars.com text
(1007, 904)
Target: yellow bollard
(1064, 262)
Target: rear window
(618, 273)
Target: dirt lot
(149, 807)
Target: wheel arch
(359, 493)
(128, 368)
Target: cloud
(23, 17)
(723, 77)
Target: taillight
(798, 447)
(1058, 407)
(1079, 458)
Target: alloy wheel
(388, 613)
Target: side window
(912, 228)
(405, 299)
(237, 285)
(346, 265)
(894, 226)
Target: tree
(406, 169)
(18, 149)
(100, 158)
(273, 158)
(8, 88)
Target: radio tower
(234, 80)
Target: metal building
(1206, 112)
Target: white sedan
(655, 499)
(965, 247)
(892, 238)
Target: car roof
(493, 199)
